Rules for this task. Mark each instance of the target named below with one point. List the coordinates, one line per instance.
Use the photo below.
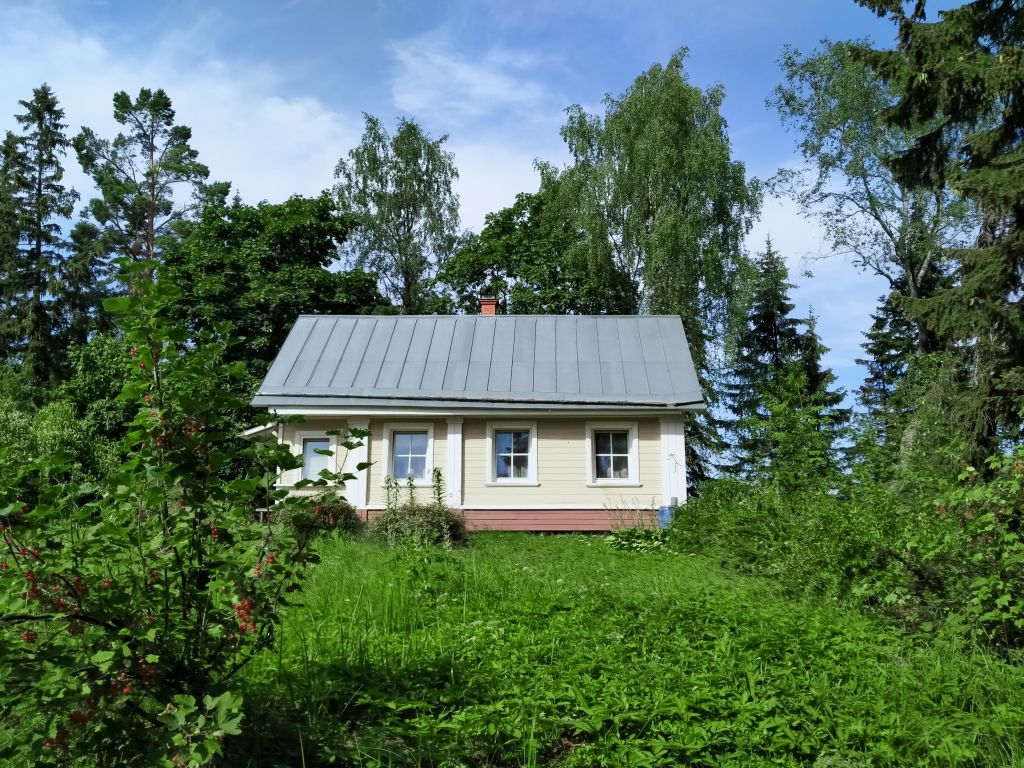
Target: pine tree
(46, 202)
(140, 175)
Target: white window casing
(491, 478)
(298, 449)
(388, 446)
(633, 454)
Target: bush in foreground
(128, 607)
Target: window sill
(614, 484)
(512, 483)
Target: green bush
(419, 523)
(810, 541)
(637, 539)
(128, 606)
(329, 512)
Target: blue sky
(275, 91)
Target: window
(408, 451)
(307, 444)
(612, 454)
(409, 458)
(512, 454)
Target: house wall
(562, 464)
(561, 498)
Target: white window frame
(490, 478)
(299, 447)
(633, 481)
(387, 441)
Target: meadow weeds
(529, 650)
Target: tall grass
(528, 650)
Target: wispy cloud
(269, 145)
(449, 87)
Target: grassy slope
(526, 650)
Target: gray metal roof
(516, 360)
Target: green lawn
(530, 650)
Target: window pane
(502, 467)
(418, 467)
(521, 442)
(400, 467)
(620, 442)
(620, 466)
(402, 443)
(313, 463)
(603, 442)
(503, 442)
(520, 466)
(604, 467)
(418, 443)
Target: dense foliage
(152, 587)
(560, 651)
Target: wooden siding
(561, 499)
(553, 520)
(376, 492)
(562, 463)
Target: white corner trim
(634, 454)
(673, 452)
(489, 471)
(359, 493)
(453, 482)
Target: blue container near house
(665, 516)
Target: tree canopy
(406, 214)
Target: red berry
(28, 637)
(106, 582)
(133, 352)
(142, 366)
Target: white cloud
(269, 145)
(434, 81)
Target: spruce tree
(764, 347)
(786, 416)
(961, 92)
(46, 202)
(13, 187)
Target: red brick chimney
(488, 305)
